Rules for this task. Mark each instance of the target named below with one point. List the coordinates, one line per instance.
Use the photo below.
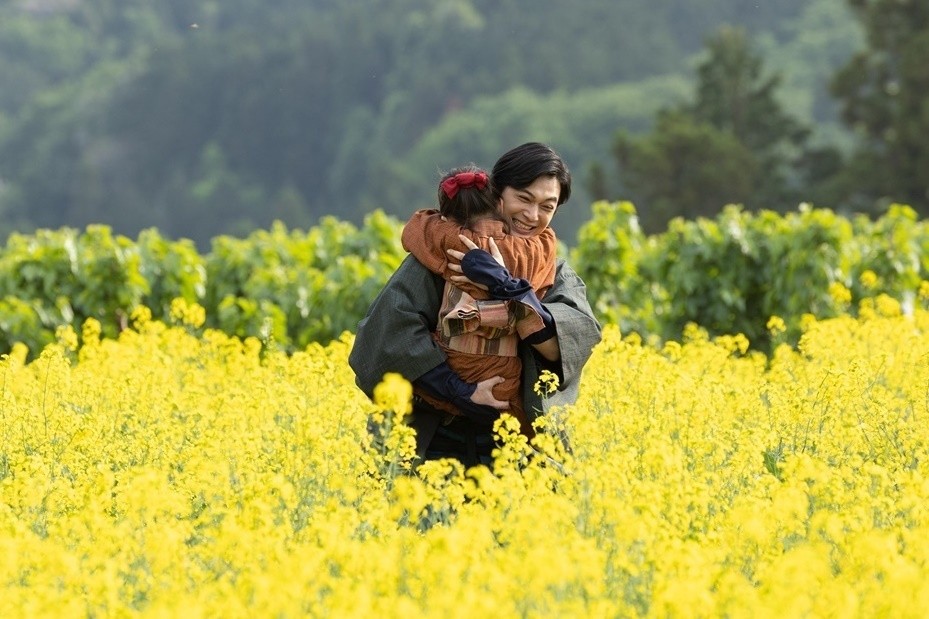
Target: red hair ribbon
(452, 184)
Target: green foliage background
(286, 287)
(289, 287)
(202, 118)
(730, 274)
(261, 154)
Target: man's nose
(532, 212)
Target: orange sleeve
(531, 258)
(426, 236)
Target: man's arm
(549, 349)
(396, 336)
(577, 331)
(396, 333)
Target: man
(530, 183)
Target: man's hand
(484, 394)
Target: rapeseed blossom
(776, 326)
(547, 383)
(841, 294)
(178, 471)
(869, 279)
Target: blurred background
(202, 118)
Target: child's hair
(465, 195)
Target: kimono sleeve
(396, 333)
(578, 331)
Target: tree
(110, 108)
(685, 168)
(734, 94)
(883, 90)
(733, 143)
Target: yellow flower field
(181, 472)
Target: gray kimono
(396, 334)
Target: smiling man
(530, 182)
(530, 210)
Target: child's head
(465, 195)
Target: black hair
(521, 166)
(471, 202)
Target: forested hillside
(202, 118)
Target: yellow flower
(170, 471)
(547, 384)
(776, 326)
(140, 316)
(91, 331)
(924, 290)
(394, 393)
(695, 333)
(737, 343)
(190, 314)
(888, 306)
(840, 293)
(807, 321)
(18, 354)
(869, 279)
(672, 350)
(66, 337)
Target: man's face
(531, 209)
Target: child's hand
(493, 250)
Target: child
(480, 339)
